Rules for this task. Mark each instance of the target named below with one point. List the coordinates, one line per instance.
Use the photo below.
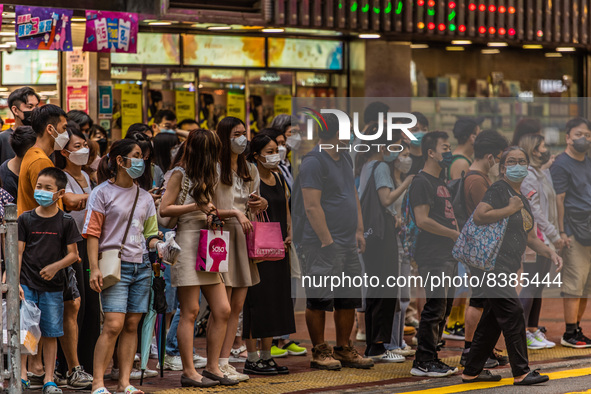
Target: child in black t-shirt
(47, 244)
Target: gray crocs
(51, 388)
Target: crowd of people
(84, 201)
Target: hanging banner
(77, 98)
(131, 106)
(282, 105)
(236, 105)
(77, 67)
(43, 28)
(1, 10)
(110, 32)
(185, 105)
(105, 100)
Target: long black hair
(145, 181)
(163, 145)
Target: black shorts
(71, 291)
(332, 261)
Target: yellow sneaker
(278, 353)
(294, 350)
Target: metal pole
(12, 300)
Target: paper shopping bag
(212, 255)
(265, 242)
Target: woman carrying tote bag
(112, 224)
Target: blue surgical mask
(44, 197)
(419, 136)
(516, 173)
(391, 156)
(137, 167)
(446, 159)
(167, 131)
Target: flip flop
(485, 376)
(132, 390)
(101, 390)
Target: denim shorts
(51, 305)
(132, 293)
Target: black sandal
(533, 377)
(485, 376)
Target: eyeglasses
(521, 162)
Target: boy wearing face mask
(431, 203)
(419, 131)
(21, 103)
(571, 176)
(49, 123)
(47, 244)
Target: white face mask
(79, 157)
(271, 161)
(282, 152)
(61, 140)
(403, 164)
(239, 144)
(294, 141)
(494, 171)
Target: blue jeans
(172, 345)
(51, 305)
(132, 293)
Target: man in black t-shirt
(21, 140)
(21, 103)
(431, 203)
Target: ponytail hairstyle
(108, 166)
(200, 160)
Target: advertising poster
(77, 67)
(185, 105)
(282, 104)
(302, 53)
(110, 32)
(205, 50)
(131, 106)
(152, 48)
(43, 28)
(29, 67)
(77, 98)
(105, 100)
(236, 105)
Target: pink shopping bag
(212, 254)
(265, 242)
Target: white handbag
(109, 261)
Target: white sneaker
(200, 362)
(172, 363)
(533, 342)
(405, 351)
(231, 373)
(389, 357)
(360, 336)
(154, 351)
(235, 355)
(136, 374)
(540, 336)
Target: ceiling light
(553, 54)
(461, 42)
(565, 49)
(160, 23)
(490, 51)
(532, 46)
(454, 48)
(7, 33)
(218, 27)
(497, 44)
(369, 36)
(419, 46)
(78, 19)
(5, 45)
(273, 30)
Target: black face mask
(27, 118)
(545, 157)
(102, 145)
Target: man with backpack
(488, 147)
(328, 228)
(431, 205)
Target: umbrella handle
(156, 269)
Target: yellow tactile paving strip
(381, 372)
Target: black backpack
(299, 217)
(373, 212)
(456, 189)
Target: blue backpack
(409, 234)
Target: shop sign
(43, 28)
(185, 104)
(264, 78)
(282, 104)
(105, 100)
(77, 67)
(305, 53)
(111, 32)
(231, 51)
(77, 98)
(131, 106)
(312, 79)
(236, 105)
